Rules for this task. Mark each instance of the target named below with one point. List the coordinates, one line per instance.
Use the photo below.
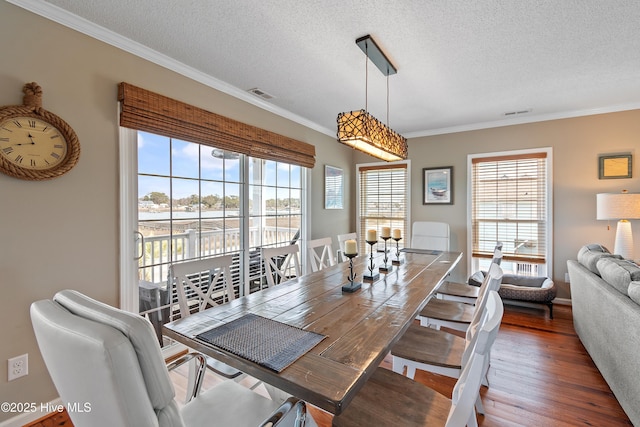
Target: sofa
(605, 297)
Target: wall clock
(35, 144)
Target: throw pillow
(588, 256)
(618, 273)
(634, 291)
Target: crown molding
(523, 120)
(63, 17)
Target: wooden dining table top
(360, 327)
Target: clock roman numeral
(33, 162)
(55, 155)
(4, 139)
(6, 129)
(19, 159)
(58, 146)
(17, 123)
(32, 123)
(55, 136)
(8, 150)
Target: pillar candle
(386, 232)
(350, 247)
(371, 236)
(397, 233)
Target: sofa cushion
(588, 255)
(618, 273)
(634, 292)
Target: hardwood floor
(540, 375)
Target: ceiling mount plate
(373, 52)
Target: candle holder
(352, 286)
(397, 261)
(385, 268)
(371, 276)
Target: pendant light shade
(360, 130)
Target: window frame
(383, 165)
(474, 263)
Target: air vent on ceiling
(517, 113)
(260, 93)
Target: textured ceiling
(461, 64)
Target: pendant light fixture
(362, 131)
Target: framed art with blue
(437, 186)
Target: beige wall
(63, 233)
(576, 145)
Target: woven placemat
(421, 251)
(266, 342)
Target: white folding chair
(341, 239)
(320, 253)
(391, 399)
(430, 235)
(281, 263)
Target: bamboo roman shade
(150, 112)
(509, 204)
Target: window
(198, 184)
(383, 199)
(511, 203)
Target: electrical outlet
(18, 367)
(566, 277)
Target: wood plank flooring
(540, 375)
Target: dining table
(352, 332)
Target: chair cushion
(588, 255)
(232, 404)
(138, 330)
(634, 291)
(619, 273)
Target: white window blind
(383, 200)
(509, 204)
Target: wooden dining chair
(437, 351)
(389, 399)
(281, 263)
(455, 315)
(201, 284)
(320, 253)
(341, 239)
(466, 292)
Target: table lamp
(623, 207)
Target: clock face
(31, 143)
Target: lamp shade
(618, 206)
(622, 206)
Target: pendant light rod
(375, 54)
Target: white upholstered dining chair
(111, 360)
(430, 235)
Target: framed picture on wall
(616, 166)
(333, 187)
(437, 186)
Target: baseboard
(562, 301)
(41, 409)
